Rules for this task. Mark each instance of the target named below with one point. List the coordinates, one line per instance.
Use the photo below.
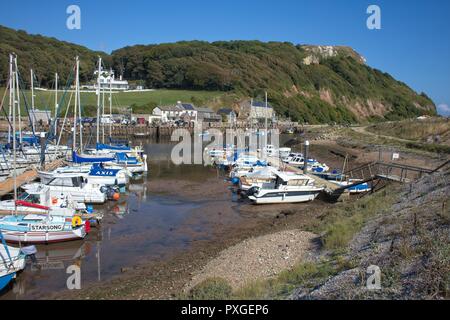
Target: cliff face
(314, 84)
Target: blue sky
(413, 44)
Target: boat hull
(284, 197)
(6, 279)
(17, 260)
(33, 237)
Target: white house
(168, 113)
(107, 79)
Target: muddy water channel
(158, 216)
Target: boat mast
(33, 119)
(56, 98)
(98, 97)
(265, 116)
(78, 96)
(16, 72)
(110, 103)
(14, 83)
(10, 96)
(103, 115)
(75, 106)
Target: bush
(211, 289)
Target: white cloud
(443, 109)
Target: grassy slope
(416, 130)
(142, 102)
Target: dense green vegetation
(46, 56)
(333, 88)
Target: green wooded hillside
(308, 83)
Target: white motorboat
(291, 156)
(313, 164)
(288, 188)
(38, 200)
(272, 151)
(265, 177)
(72, 185)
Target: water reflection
(142, 226)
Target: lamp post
(305, 157)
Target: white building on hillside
(107, 79)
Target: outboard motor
(112, 193)
(252, 191)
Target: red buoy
(87, 226)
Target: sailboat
(132, 159)
(36, 228)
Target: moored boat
(288, 188)
(42, 229)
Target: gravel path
(258, 258)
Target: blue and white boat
(42, 228)
(357, 188)
(12, 260)
(343, 180)
(91, 158)
(113, 148)
(134, 164)
(96, 173)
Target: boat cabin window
(61, 182)
(297, 182)
(77, 181)
(32, 198)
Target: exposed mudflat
(257, 258)
(244, 242)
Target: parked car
(87, 120)
(180, 123)
(125, 121)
